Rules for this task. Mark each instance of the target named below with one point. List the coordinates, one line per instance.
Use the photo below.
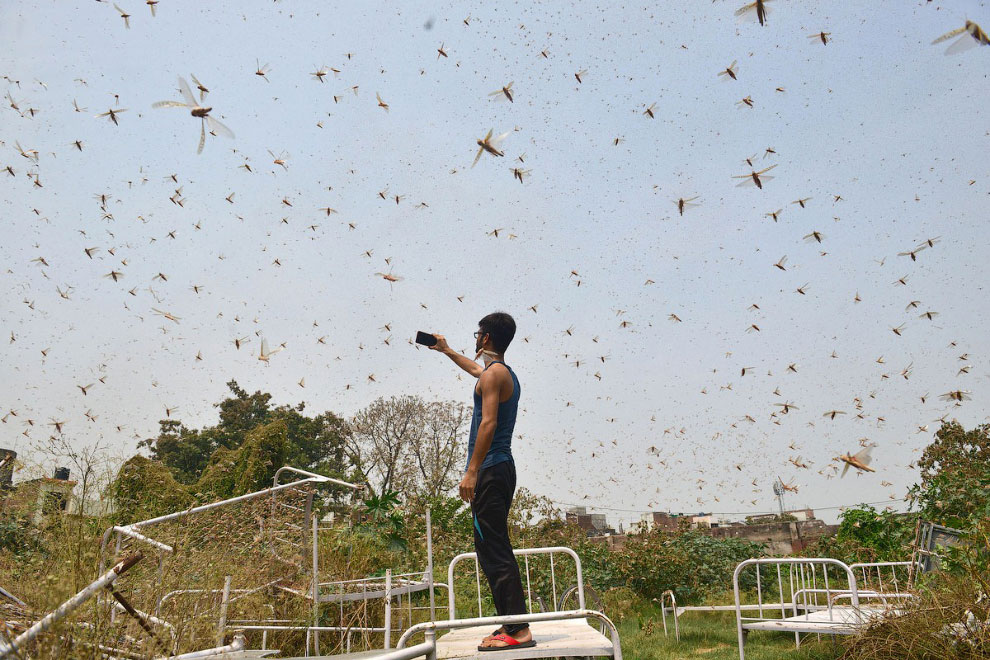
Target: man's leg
(493, 496)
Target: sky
(654, 348)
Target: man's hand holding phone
(441, 344)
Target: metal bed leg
(223, 610)
(388, 608)
(431, 636)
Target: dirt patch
(709, 650)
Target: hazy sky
(622, 407)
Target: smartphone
(425, 338)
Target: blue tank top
(501, 447)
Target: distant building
(665, 522)
(594, 524)
(796, 531)
(36, 499)
(671, 522)
(704, 521)
(711, 521)
(798, 515)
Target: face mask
(486, 356)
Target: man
(490, 477)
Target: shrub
(866, 535)
(690, 563)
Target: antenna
(778, 490)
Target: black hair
(500, 327)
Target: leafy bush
(384, 521)
(867, 535)
(17, 537)
(145, 488)
(690, 563)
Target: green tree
(313, 443)
(184, 451)
(955, 477)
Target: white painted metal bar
(214, 505)
(264, 626)
(313, 477)
(723, 608)
(429, 565)
(223, 609)
(316, 585)
(242, 592)
(477, 581)
(7, 594)
(397, 578)
(673, 605)
(759, 591)
(553, 582)
(127, 531)
(388, 608)
(780, 590)
(529, 589)
(238, 644)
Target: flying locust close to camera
(489, 144)
(972, 35)
(860, 460)
(196, 110)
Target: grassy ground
(712, 636)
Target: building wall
(660, 520)
(38, 498)
(781, 538)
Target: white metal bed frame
(570, 635)
(808, 579)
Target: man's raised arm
(461, 361)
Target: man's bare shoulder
(495, 374)
(497, 377)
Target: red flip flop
(510, 643)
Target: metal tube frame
(663, 613)
(520, 552)
(313, 478)
(237, 645)
(801, 563)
